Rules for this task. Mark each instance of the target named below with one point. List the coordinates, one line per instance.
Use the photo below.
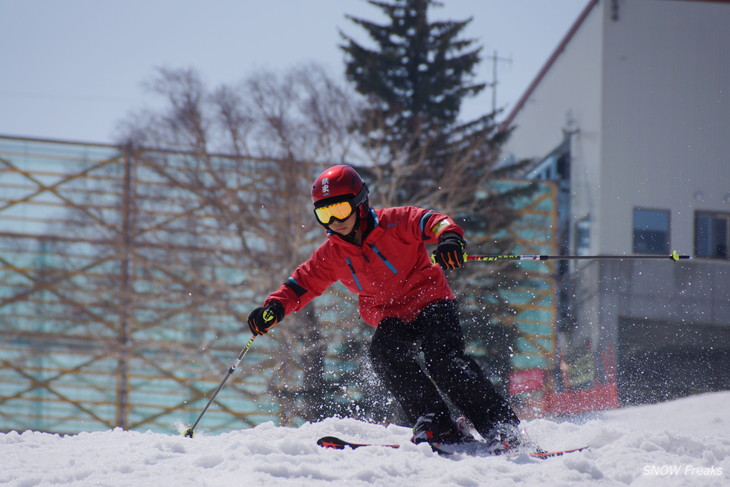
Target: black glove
(449, 253)
(264, 318)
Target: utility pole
(495, 59)
(126, 309)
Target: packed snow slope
(684, 442)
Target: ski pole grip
(433, 258)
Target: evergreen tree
(419, 73)
(415, 79)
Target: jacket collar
(371, 237)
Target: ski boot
(441, 430)
(507, 438)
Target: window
(583, 235)
(711, 234)
(651, 231)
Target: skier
(380, 254)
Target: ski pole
(189, 431)
(674, 256)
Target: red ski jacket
(391, 271)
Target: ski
(340, 444)
(475, 448)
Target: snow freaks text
(682, 470)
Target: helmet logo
(326, 187)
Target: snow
(683, 442)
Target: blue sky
(73, 69)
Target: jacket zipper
(354, 274)
(382, 257)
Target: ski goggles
(337, 211)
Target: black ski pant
(437, 333)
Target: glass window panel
(720, 238)
(711, 234)
(655, 220)
(703, 243)
(651, 231)
(583, 236)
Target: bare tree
(242, 161)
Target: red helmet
(338, 184)
(339, 181)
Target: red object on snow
(528, 380)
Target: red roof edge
(546, 67)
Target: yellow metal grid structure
(121, 296)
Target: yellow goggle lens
(339, 211)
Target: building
(631, 116)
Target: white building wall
(646, 85)
(571, 88)
(666, 116)
(568, 98)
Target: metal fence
(122, 294)
(119, 293)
